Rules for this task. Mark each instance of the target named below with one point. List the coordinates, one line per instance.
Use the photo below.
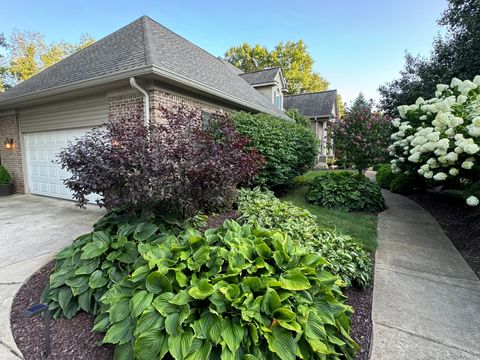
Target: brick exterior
(123, 106)
(12, 159)
(163, 98)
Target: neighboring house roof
(143, 47)
(318, 104)
(265, 76)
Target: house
(322, 110)
(142, 63)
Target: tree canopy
(292, 57)
(27, 54)
(453, 55)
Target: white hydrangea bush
(440, 138)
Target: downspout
(146, 98)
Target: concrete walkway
(426, 299)
(32, 230)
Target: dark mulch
(461, 223)
(215, 221)
(71, 339)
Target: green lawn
(361, 226)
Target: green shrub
(237, 292)
(384, 176)
(376, 167)
(403, 184)
(5, 177)
(289, 149)
(347, 258)
(95, 261)
(345, 191)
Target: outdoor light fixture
(38, 309)
(9, 144)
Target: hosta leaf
(182, 279)
(148, 344)
(150, 320)
(97, 279)
(139, 302)
(119, 333)
(163, 305)
(282, 343)
(84, 301)
(232, 333)
(179, 345)
(173, 324)
(294, 280)
(202, 291)
(284, 314)
(290, 325)
(94, 249)
(181, 298)
(315, 328)
(157, 283)
(144, 231)
(124, 352)
(119, 311)
(319, 346)
(64, 296)
(270, 302)
(199, 350)
(58, 278)
(140, 273)
(88, 267)
(101, 323)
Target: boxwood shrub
(346, 257)
(290, 149)
(345, 191)
(384, 176)
(5, 177)
(238, 292)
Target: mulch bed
(460, 223)
(73, 339)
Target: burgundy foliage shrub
(182, 164)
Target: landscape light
(35, 310)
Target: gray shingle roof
(143, 43)
(264, 76)
(318, 104)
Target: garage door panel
(45, 176)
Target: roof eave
(212, 91)
(79, 85)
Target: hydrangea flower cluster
(439, 138)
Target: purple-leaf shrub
(181, 164)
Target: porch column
(324, 138)
(330, 151)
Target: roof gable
(265, 76)
(318, 104)
(145, 43)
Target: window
(277, 99)
(206, 118)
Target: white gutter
(146, 104)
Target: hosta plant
(345, 191)
(238, 292)
(439, 138)
(97, 260)
(346, 257)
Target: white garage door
(45, 177)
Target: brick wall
(163, 98)
(12, 159)
(123, 106)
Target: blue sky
(356, 45)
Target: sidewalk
(426, 299)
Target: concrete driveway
(32, 230)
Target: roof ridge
(251, 72)
(312, 93)
(146, 41)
